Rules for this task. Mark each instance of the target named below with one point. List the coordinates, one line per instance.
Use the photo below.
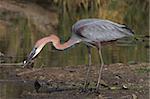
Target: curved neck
(56, 42)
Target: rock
(124, 87)
(114, 88)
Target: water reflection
(11, 86)
(14, 89)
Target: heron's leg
(88, 67)
(102, 64)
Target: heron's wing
(100, 30)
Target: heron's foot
(85, 87)
(96, 90)
(91, 90)
(97, 86)
(101, 83)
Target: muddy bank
(119, 81)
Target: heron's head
(38, 47)
(35, 51)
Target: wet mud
(119, 81)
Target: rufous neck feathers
(56, 42)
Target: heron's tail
(129, 31)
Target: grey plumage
(97, 30)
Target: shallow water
(13, 89)
(11, 86)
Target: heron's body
(90, 31)
(93, 31)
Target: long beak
(30, 57)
